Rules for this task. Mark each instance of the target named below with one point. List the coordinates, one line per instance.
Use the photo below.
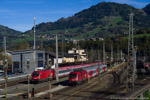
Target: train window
(73, 75)
(63, 71)
(35, 74)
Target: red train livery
(80, 76)
(43, 75)
(39, 76)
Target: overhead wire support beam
(131, 57)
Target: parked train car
(76, 77)
(43, 75)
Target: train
(45, 75)
(77, 77)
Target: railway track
(74, 93)
(66, 93)
(22, 92)
(70, 92)
(13, 83)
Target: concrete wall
(19, 61)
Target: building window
(40, 60)
(40, 63)
(40, 55)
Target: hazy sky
(18, 14)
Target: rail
(140, 92)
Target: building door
(16, 67)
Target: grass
(19, 40)
(138, 36)
(112, 21)
(147, 95)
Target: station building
(37, 59)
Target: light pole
(34, 47)
(28, 67)
(34, 36)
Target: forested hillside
(101, 20)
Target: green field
(138, 36)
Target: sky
(19, 14)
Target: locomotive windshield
(35, 74)
(73, 75)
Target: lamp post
(28, 67)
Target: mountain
(105, 19)
(147, 9)
(10, 33)
(7, 31)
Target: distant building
(67, 58)
(79, 55)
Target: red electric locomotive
(43, 75)
(80, 76)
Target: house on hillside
(79, 55)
